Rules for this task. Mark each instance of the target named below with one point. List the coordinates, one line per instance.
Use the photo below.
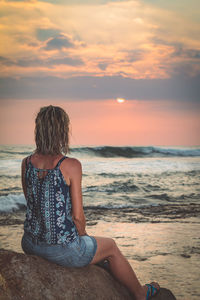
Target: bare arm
(75, 177)
(23, 168)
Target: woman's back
(45, 161)
(48, 217)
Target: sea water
(146, 198)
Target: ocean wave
(15, 202)
(131, 152)
(3, 176)
(10, 189)
(114, 206)
(143, 213)
(120, 186)
(117, 151)
(127, 212)
(12, 202)
(113, 175)
(13, 153)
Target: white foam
(11, 202)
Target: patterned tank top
(48, 215)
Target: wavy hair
(52, 130)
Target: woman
(54, 227)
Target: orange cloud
(102, 36)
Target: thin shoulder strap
(27, 160)
(60, 161)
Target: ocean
(145, 197)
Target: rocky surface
(33, 278)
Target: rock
(30, 277)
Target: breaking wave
(131, 152)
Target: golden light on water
(120, 100)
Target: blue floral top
(48, 216)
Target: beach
(146, 198)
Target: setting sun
(120, 100)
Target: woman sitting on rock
(54, 227)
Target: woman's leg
(119, 266)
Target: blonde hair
(52, 130)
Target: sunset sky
(84, 54)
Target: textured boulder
(33, 278)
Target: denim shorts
(76, 254)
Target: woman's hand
(80, 225)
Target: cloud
(135, 55)
(44, 34)
(30, 62)
(58, 43)
(103, 66)
(91, 88)
(180, 59)
(66, 60)
(136, 39)
(17, 1)
(5, 61)
(80, 2)
(180, 51)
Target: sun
(120, 100)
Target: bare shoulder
(72, 164)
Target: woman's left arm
(75, 177)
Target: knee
(113, 245)
(113, 250)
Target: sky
(83, 55)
